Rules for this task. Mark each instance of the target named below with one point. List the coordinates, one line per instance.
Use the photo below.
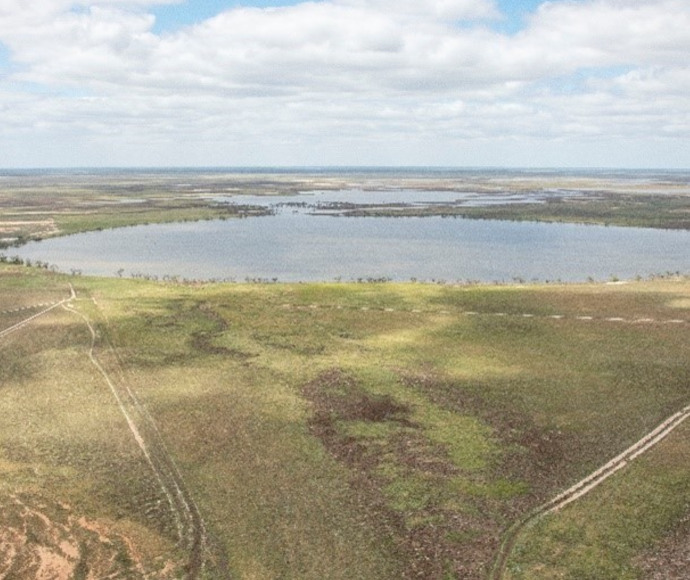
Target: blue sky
(515, 11)
(172, 17)
(563, 83)
(4, 58)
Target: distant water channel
(293, 244)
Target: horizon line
(343, 167)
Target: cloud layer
(589, 82)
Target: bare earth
(43, 541)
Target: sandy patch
(48, 542)
(31, 226)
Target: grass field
(342, 430)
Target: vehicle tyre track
(30, 319)
(190, 526)
(583, 487)
(28, 307)
(563, 317)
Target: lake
(293, 244)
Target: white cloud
(437, 9)
(423, 76)
(605, 32)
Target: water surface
(294, 245)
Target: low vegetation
(38, 206)
(343, 430)
(43, 204)
(668, 211)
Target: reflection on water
(294, 245)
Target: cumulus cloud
(437, 9)
(326, 75)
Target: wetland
(337, 430)
(320, 225)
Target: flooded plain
(307, 237)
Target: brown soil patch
(32, 227)
(42, 540)
(539, 456)
(429, 540)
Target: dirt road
(191, 530)
(583, 487)
(30, 319)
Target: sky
(461, 83)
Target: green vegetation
(631, 527)
(41, 206)
(604, 208)
(36, 206)
(348, 430)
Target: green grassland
(602, 208)
(37, 206)
(47, 205)
(349, 430)
(626, 529)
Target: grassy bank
(352, 430)
(666, 211)
(40, 205)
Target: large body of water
(295, 245)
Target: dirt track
(191, 530)
(190, 526)
(583, 487)
(26, 321)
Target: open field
(44, 204)
(339, 430)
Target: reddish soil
(42, 540)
